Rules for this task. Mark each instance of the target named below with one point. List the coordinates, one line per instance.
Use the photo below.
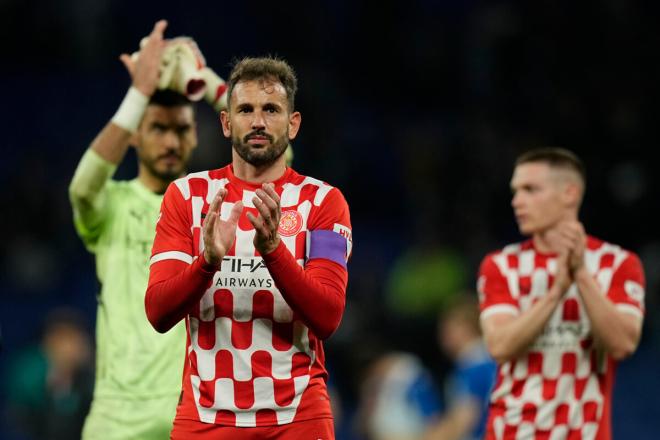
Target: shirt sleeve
(627, 289)
(317, 292)
(331, 236)
(88, 193)
(493, 288)
(177, 281)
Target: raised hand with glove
(193, 64)
(183, 69)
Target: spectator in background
(50, 385)
(423, 281)
(469, 384)
(558, 310)
(398, 399)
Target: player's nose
(171, 140)
(516, 201)
(258, 121)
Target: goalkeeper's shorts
(124, 419)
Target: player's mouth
(170, 159)
(258, 139)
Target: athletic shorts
(123, 419)
(316, 429)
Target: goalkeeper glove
(180, 69)
(216, 90)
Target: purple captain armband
(329, 245)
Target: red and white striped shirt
(562, 386)
(254, 351)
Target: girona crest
(291, 223)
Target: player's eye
(158, 128)
(183, 129)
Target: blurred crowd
(417, 116)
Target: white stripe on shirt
(171, 255)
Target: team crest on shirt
(291, 223)
(634, 290)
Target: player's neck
(250, 173)
(548, 241)
(543, 242)
(151, 182)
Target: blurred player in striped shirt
(558, 310)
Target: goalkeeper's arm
(109, 147)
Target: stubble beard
(259, 157)
(168, 173)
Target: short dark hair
(264, 68)
(169, 98)
(555, 157)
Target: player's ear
(295, 119)
(572, 193)
(226, 123)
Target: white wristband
(131, 110)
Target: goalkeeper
(138, 371)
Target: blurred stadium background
(414, 109)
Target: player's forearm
(618, 332)
(113, 140)
(112, 143)
(174, 289)
(317, 293)
(507, 340)
(107, 150)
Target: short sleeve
(330, 233)
(173, 239)
(627, 288)
(494, 293)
